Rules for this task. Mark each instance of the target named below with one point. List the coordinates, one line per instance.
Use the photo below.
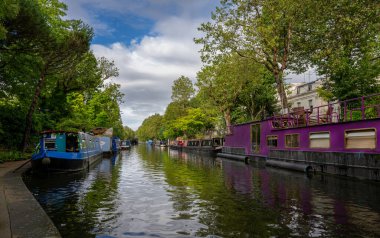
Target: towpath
(20, 214)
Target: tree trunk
(281, 91)
(29, 116)
(227, 118)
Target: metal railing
(363, 108)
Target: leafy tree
(257, 99)
(129, 133)
(48, 75)
(195, 122)
(344, 46)
(58, 53)
(222, 83)
(182, 90)
(150, 128)
(8, 10)
(263, 31)
(173, 111)
(182, 94)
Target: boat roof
(57, 131)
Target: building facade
(305, 95)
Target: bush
(12, 155)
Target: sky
(151, 43)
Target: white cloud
(134, 13)
(147, 65)
(147, 69)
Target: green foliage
(12, 155)
(344, 46)
(8, 11)
(238, 88)
(257, 99)
(129, 133)
(263, 31)
(150, 128)
(195, 122)
(12, 124)
(49, 77)
(173, 111)
(182, 90)
(101, 110)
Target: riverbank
(20, 214)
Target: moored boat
(201, 146)
(338, 138)
(66, 151)
(125, 145)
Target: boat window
(292, 140)
(272, 141)
(49, 143)
(72, 142)
(255, 138)
(319, 139)
(207, 143)
(360, 139)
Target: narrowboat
(338, 138)
(160, 143)
(201, 146)
(66, 151)
(115, 145)
(105, 145)
(125, 145)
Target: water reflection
(155, 192)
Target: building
(305, 95)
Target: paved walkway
(20, 214)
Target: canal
(155, 192)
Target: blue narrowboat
(66, 151)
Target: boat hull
(210, 151)
(50, 163)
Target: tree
(222, 83)
(190, 125)
(256, 100)
(344, 46)
(8, 10)
(150, 128)
(48, 75)
(182, 90)
(262, 31)
(129, 133)
(57, 53)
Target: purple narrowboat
(338, 138)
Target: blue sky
(150, 41)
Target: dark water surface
(154, 192)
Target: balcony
(363, 108)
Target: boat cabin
(344, 133)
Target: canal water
(155, 192)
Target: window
(206, 142)
(319, 140)
(360, 139)
(272, 141)
(255, 138)
(49, 144)
(298, 104)
(298, 90)
(309, 87)
(292, 140)
(311, 104)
